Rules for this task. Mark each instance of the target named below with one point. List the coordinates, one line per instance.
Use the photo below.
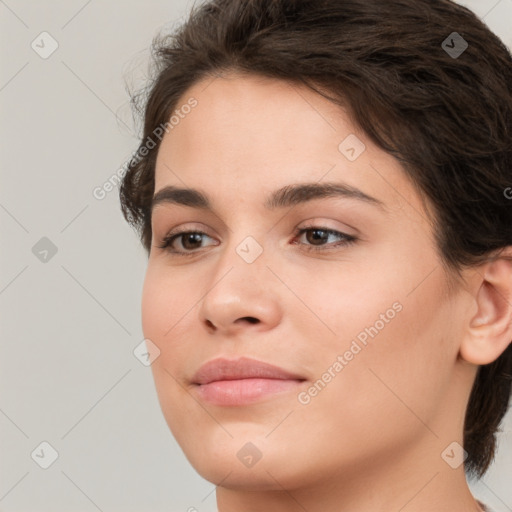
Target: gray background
(68, 375)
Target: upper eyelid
(317, 225)
(312, 221)
(190, 228)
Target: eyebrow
(288, 196)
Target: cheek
(164, 302)
(399, 343)
(152, 306)
(386, 393)
(162, 310)
(404, 366)
(166, 320)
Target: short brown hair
(447, 118)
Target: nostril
(250, 319)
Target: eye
(316, 238)
(185, 242)
(312, 238)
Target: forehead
(255, 134)
(240, 119)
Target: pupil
(317, 236)
(191, 239)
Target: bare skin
(371, 437)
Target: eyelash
(347, 240)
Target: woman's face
(312, 254)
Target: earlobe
(489, 331)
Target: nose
(241, 296)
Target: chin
(239, 463)
(234, 475)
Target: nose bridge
(243, 254)
(241, 286)
(239, 270)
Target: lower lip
(243, 391)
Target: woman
(323, 190)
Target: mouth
(242, 381)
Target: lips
(242, 381)
(243, 368)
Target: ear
(489, 331)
